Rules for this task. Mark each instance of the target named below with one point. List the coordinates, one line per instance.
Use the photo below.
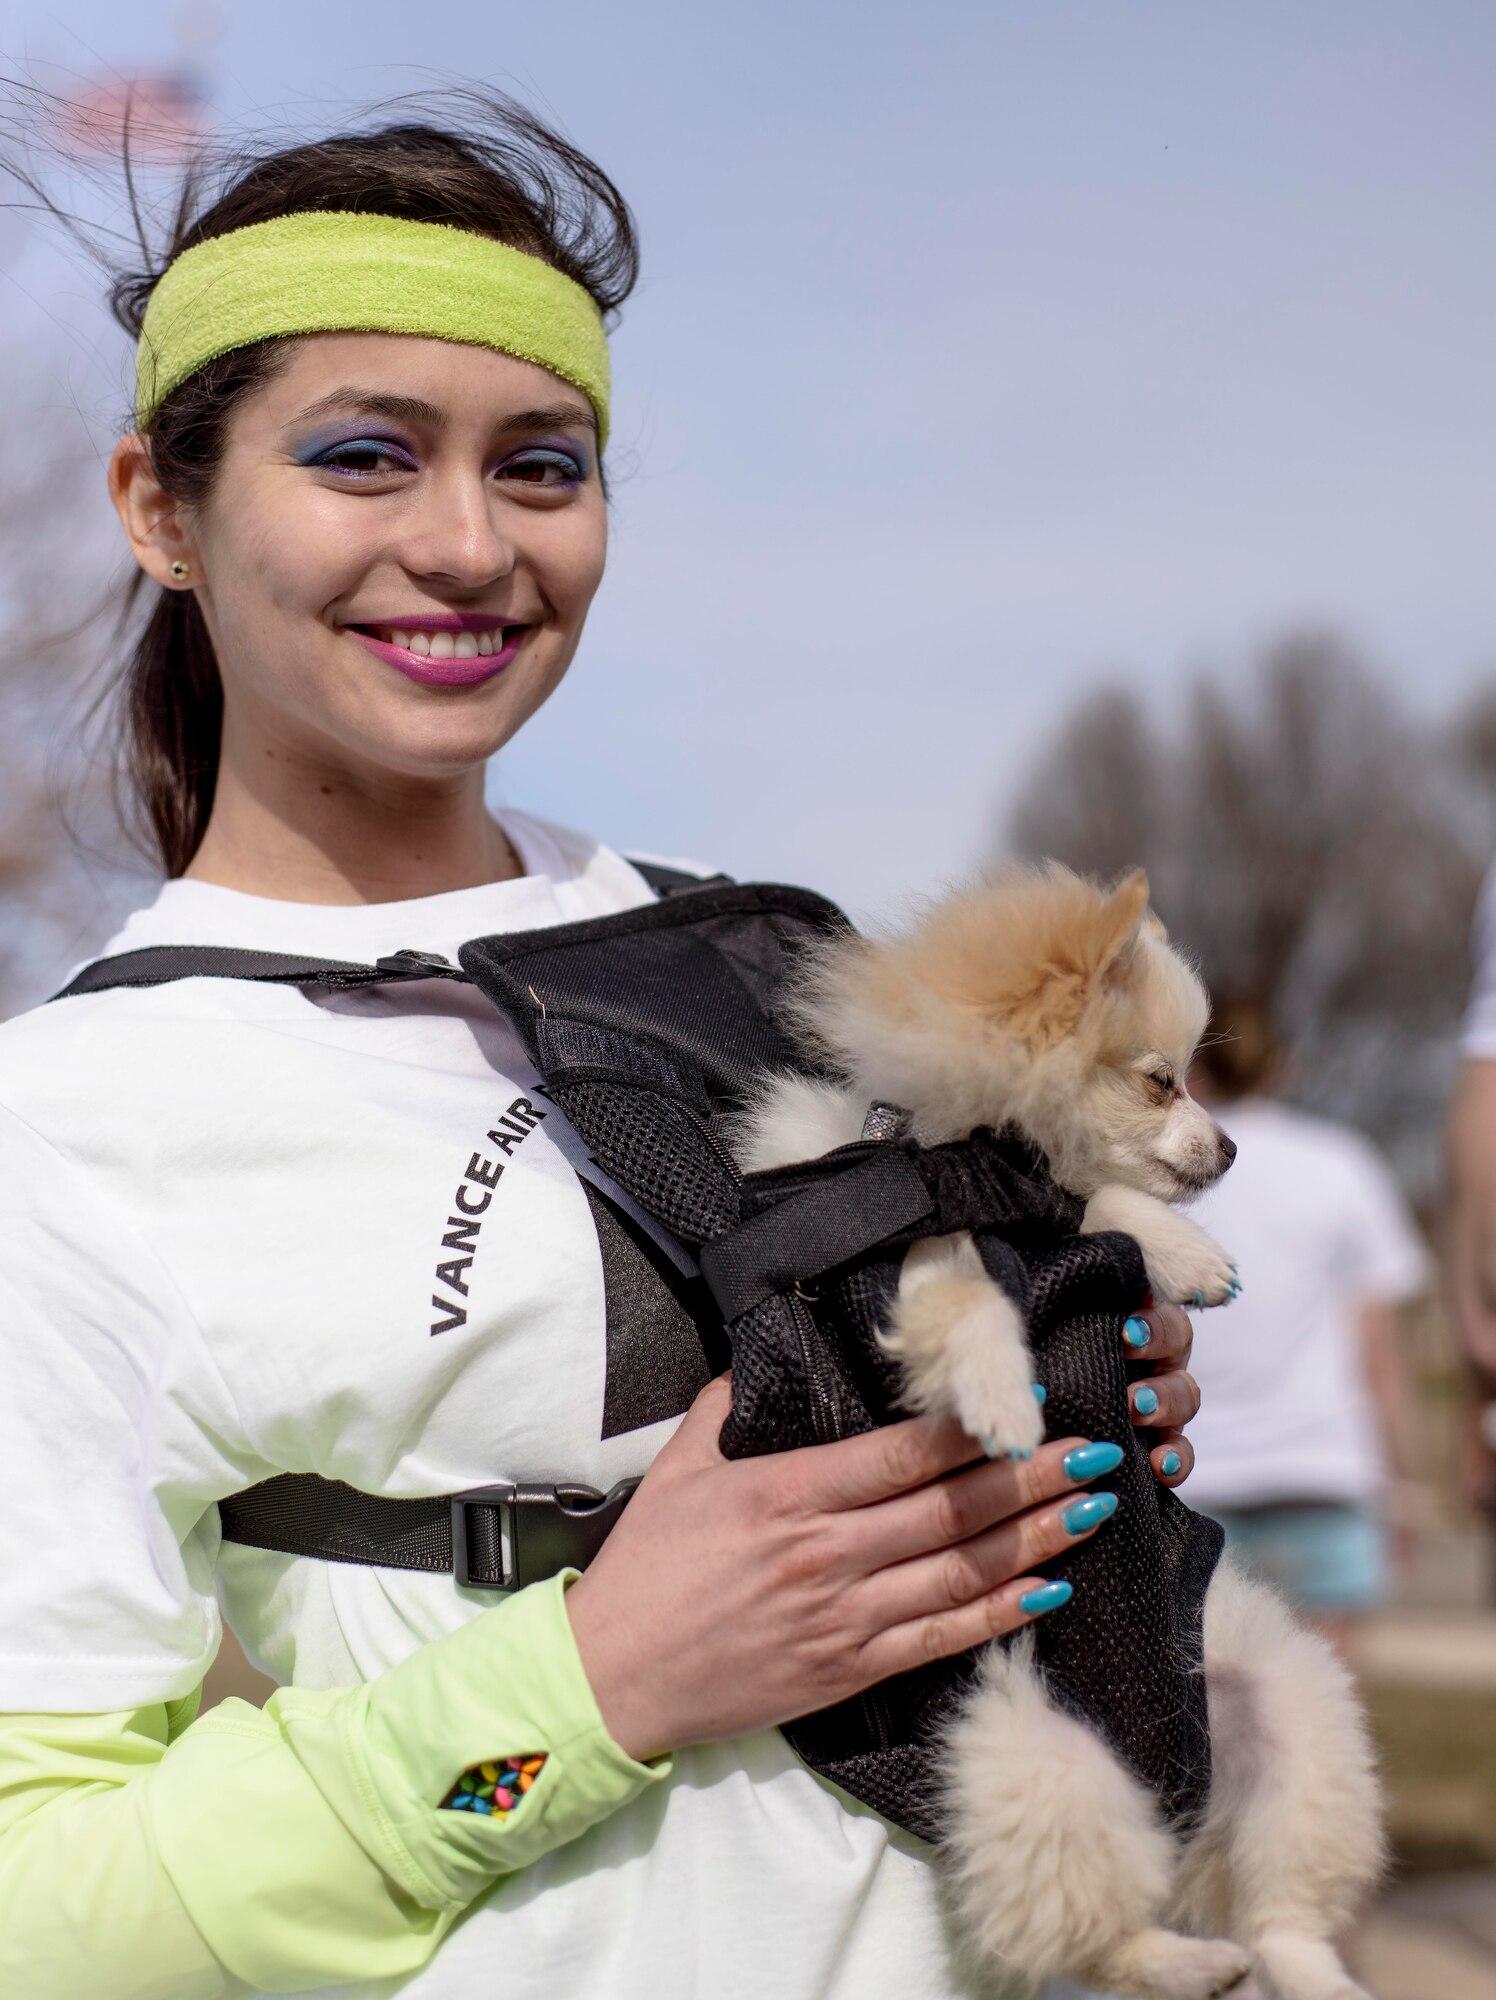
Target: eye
(1161, 1082)
(362, 458)
(546, 468)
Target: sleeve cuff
(507, 1687)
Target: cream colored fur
(1040, 1001)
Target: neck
(320, 837)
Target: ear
(1120, 922)
(151, 518)
(1089, 942)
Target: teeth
(444, 645)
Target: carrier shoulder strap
(498, 1537)
(161, 965)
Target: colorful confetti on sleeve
(494, 1789)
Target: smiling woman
(364, 489)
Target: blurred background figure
(1471, 1235)
(1305, 1439)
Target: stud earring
(181, 571)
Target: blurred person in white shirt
(1470, 1260)
(1306, 1417)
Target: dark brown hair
(1239, 1055)
(475, 160)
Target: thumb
(695, 1439)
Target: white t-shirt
(1478, 1034)
(1317, 1227)
(241, 1192)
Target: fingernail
(1169, 1464)
(1041, 1394)
(1145, 1400)
(1089, 1461)
(1083, 1515)
(1137, 1332)
(1048, 1597)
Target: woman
(366, 493)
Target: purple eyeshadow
(323, 442)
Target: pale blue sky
(982, 350)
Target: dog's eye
(1161, 1081)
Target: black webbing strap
(827, 1224)
(498, 1537)
(160, 965)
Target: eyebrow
(415, 410)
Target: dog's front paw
(1185, 1266)
(992, 1385)
(962, 1345)
(1188, 1268)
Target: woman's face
(397, 555)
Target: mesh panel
(659, 1153)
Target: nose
(1228, 1148)
(456, 539)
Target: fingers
(1172, 1458)
(1167, 1398)
(968, 1503)
(1160, 1334)
(948, 1580)
(856, 1472)
(1164, 1402)
(937, 1635)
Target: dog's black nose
(1228, 1148)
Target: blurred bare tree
(64, 868)
(1319, 852)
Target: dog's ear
(1120, 922)
(1087, 941)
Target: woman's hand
(734, 1595)
(1163, 1397)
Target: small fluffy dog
(1041, 1001)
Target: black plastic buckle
(418, 965)
(507, 1536)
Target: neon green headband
(338, 273)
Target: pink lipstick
(446, 669)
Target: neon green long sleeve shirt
(148, 1856)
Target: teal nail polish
(1083, 1515)
(1137, 1332)
(1048, 1597)
(1089, 1461)
(1145, 1401)
(1041, 1394)
(1169, 1464)
(989, 1444)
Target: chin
(439, 733)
